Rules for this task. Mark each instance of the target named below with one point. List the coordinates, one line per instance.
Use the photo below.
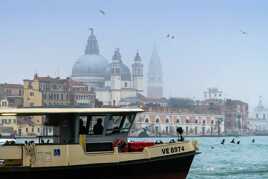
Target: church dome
(124, 72)
(91, 64)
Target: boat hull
(167, 167)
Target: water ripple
(247, 160)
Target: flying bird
(243, 32)
(168, 35)
(102, 12)
(172, 37)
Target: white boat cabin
(95, 128)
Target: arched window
(146, 120)
(212, 122)
(196, 121)
(204, 122)
(167, 121)
(157, 120)
(187, 121)
(125, 84)
(177, 121)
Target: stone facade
(258, 122)
(165, 124)
(11, 96)
(236, 117)
(47, 91)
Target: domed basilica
(112, 82)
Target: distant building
(11, 96)
(235, 112)
(213, 93)
(236, 116)
(260, 112)
(113, 82)
(160, 123)
(81, 95)
(212, 97)
(8, 125)
(26, 127)
(47, 91)
(51, 92)
(144, 101)
(155, 76)
(258, 122)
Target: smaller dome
(124, 71)
(92, 65)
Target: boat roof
(47, 111)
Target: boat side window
(114, 124)
(95, 125)
(119, 124)
(127, 123)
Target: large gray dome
(90, 65)
(124, 71)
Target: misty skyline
(209, 49)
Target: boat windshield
(63, 129)
(118, 124)
(65, 126)
(105, 124)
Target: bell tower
(155, 81)
(137, 73)
(116, 78)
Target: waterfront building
(11, 96)
(26, 127)
(53, 92)
(165, 122)
(155, 76)
(236, 117)
(112, 82)
(260, 112)
(258, 122)
(7, 89)
(8, 125)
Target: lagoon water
(230, 161)
(244, 161)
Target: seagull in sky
(168, 35)
(243, 32)
(102, 12)
(172, 37)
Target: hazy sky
(47, 36)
